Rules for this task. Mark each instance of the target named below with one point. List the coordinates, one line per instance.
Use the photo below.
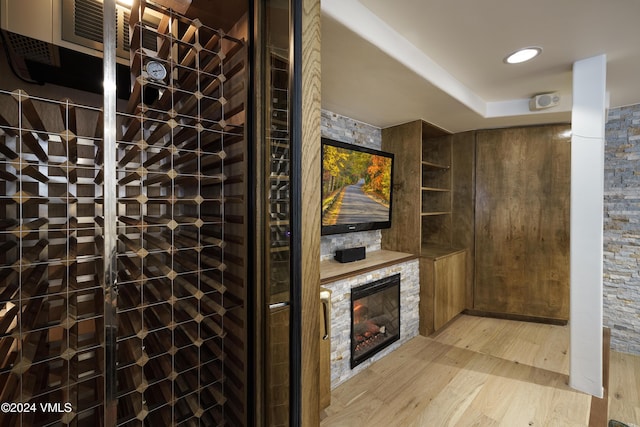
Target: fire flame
(360, 312)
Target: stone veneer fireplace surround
(341, 312)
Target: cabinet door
(450, 280)
(522, 221)
(442, 290)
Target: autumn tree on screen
(379, 177)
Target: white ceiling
(386, 62)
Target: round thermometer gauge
(156, 70)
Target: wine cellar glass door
(123, 231)
(275, 151)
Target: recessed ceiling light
(522, 55)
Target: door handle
(325, 300)
(278, 305)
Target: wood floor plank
(421, 386)
(624, 388)
(477, 372)
(569, 408)
(502, 389)
(554, 350)
(454, 402)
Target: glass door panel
(170, 340)
(277, 155)
(181, 348)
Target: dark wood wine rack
(181, 233)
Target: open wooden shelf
(435, 213)
(431, 165)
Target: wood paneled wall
(310, 257)
(404, 235)
(463, 150)
(522, 221)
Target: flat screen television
(356, 188)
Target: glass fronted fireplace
(375, 317)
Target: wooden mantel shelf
(332, 270)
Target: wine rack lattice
(51, 295)
(180, 157)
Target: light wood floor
(624, 388)
(479, 372)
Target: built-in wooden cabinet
(488, 214)
(427, 211)
(442, 280)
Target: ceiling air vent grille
(88, 20)
(149, 37)
(32, 49)
(82, 25)
(125, 29)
